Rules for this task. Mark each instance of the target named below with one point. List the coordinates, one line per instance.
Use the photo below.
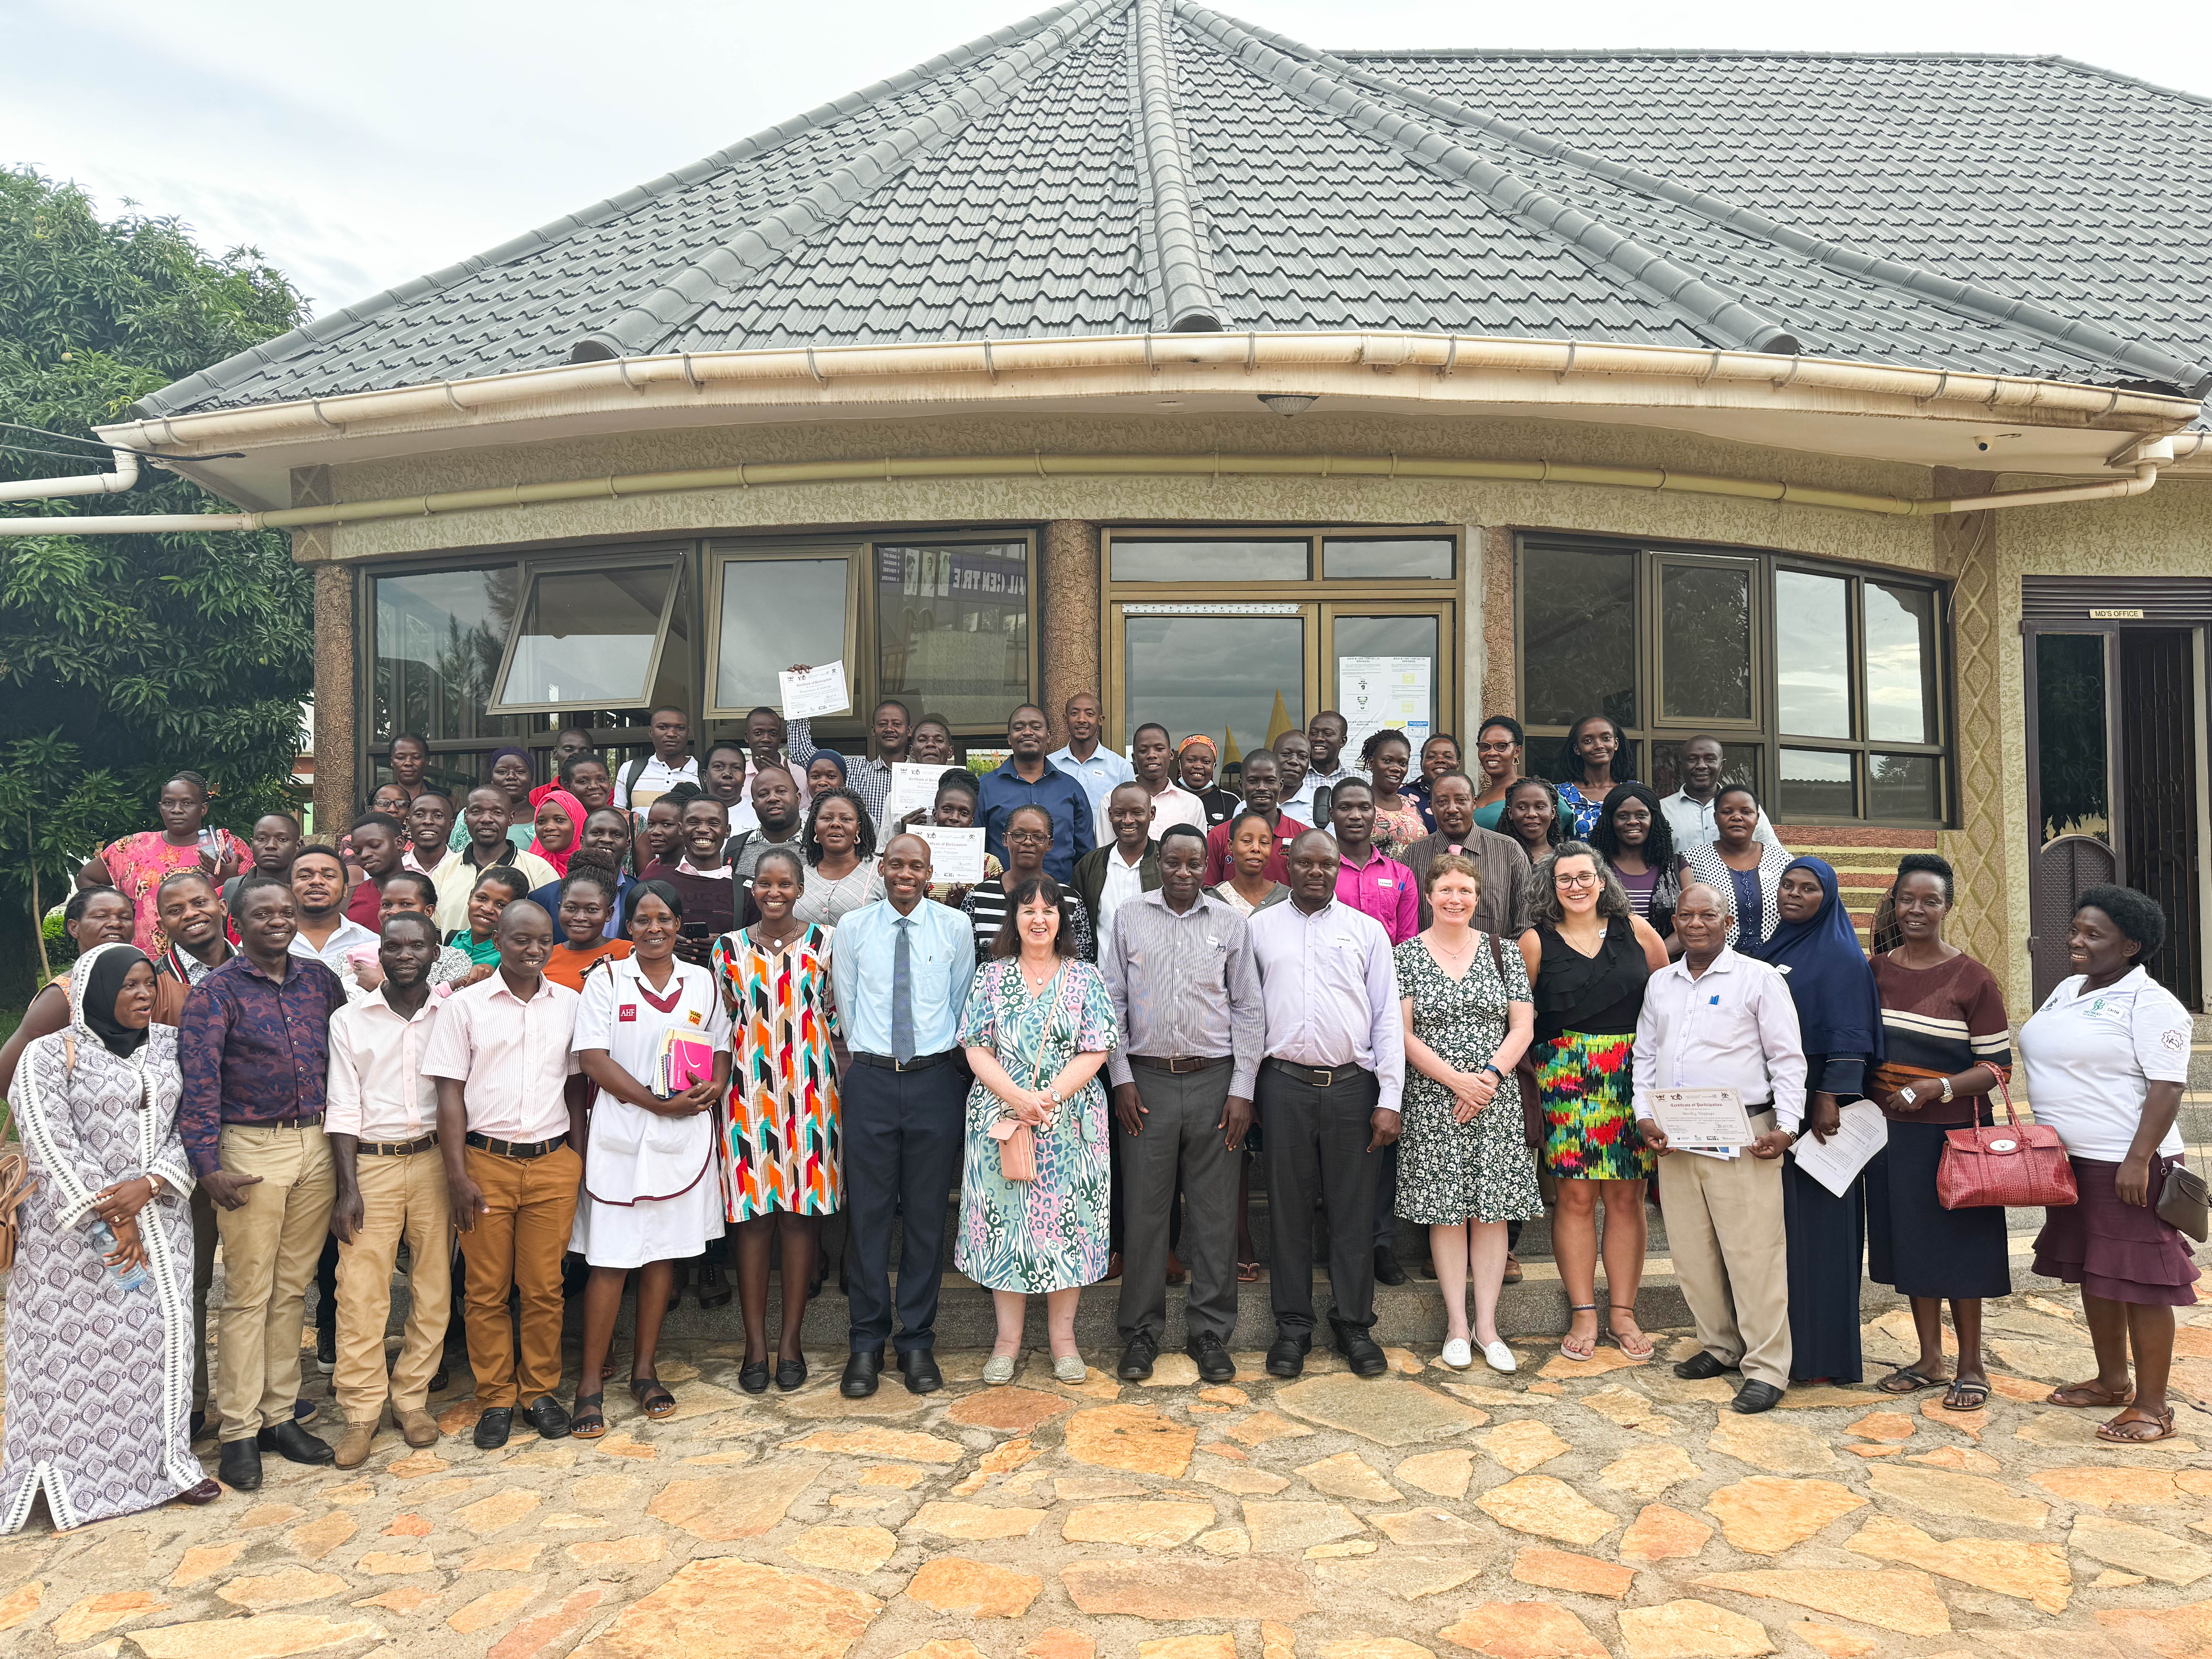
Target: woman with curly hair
(840, 844)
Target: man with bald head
(901, 972)
(1028, 779)
(1719, 1020)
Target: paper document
(954, 854)
(913, 789)
(1863, 1133)
(1701, 1118)
(817, 692)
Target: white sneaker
(1458, 1354)
(1500, 1358)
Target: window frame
(673, 558)
(720, 553)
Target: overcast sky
(359, 145)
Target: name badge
(627, 1013)
(694, 1016)
(1384, 881)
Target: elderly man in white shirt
(1719, 1020)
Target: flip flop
(1247, 1272)
(1965, 1396)
(1621, 1339)
(1914, 1382)
(2103, 1399)
(1588, 1307)
(2117, 1431)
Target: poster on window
(1380, 691)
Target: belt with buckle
(313, 1120)
(1179, 1064)
(396, 1148)
(1316, 1077)
(515, 1148)
(919, 1063)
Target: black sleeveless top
(1600, 995)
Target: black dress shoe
(713, 1289)
(294, 1444)
(439, 1381)
(922, 1376)
(791, 1374)
(1137, 1356)
(1755, 1396)
(1214, 1365)
(493, 1427)
(550, 1418)
(240, 1466)
(1702, 1364)
(752, 1377)
(1362, 1353)
(1287, 1357)
(860, 1373)
(1386, 1270)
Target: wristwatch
(1491, 1066)
(1947, 1091)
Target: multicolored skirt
(1582, 1082)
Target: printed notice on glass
(954, 854)
(1836, 1162)
(913, 789)
(1702, 1120)
(817, 692)
(1380, 691)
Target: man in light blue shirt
(1098, 770)
(901, 969)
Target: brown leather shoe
(419, 1427)
(354, 1443)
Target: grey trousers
(1182, 1115)
(1316, 1148)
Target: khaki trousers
(270, 1246)
(401, 1198)
(1724, 1230)
(519, 1241)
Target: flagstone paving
(1609, 1511)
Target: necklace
(1449, 954)
(1035, 985)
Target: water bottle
(130, 1276)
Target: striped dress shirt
(1185, 987)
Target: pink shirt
(378, 1090)
(1383, 888)
(511, 1057)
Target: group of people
(621, 1018)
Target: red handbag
(2008, 1163)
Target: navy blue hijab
(1830, 980)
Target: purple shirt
(1383, 888)
(1328, 987)
(252, 1051)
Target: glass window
(1578, 642)
(1373, 656)
(1704, 632)
(2073, 768)
(438, 636)
(1905, 786)
(775, 612)
(1215, 674)
(1900, 664)
(953, 626)
(1816, 783)
(1812, 654)
(589, 638)
(1210, 560)
(1346, 557)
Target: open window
(593, 636)
(775, 606)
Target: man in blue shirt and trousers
(1028, 779)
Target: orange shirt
(566, 967)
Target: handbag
(1018, 1140)
(2008, 1163)
(1534, 1125)
(2181, 1202)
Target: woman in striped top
(1029, 838)
(1946, 1045)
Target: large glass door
(2073, 725)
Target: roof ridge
(652, 317)
(1698, 52)
(1727, 318)
(219, 376)
(1194, 304)
(2088, 339)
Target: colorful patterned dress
(782, 1143)
(1049, 1234)
(139, 864)
(1586, 1010)
(1395, 831)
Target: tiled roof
(1115, 166)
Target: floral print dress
(1049, 1234)
(1450, 1172)
(139, 864)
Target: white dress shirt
(1124, 881)
(1731, 1027)
(655, 778)
(377, 1089)
(1329, 988)
(350, 940)
(513, 1058)
(1691, 821)
(1173, 804)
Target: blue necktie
(903, 992)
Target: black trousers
(905, 1133)
(1316, 1147)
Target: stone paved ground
(1604, 1509)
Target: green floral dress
(1482, 1171)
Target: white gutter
(91, 483)
(2147, 458)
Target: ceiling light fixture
(1287, 403)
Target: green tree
(124, 658)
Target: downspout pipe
(89, 483)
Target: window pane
(776, 612)
(2072, 772)
(1816, 784)
(1211, 561)
(1812, 654)
(1578, 635)
(1704, 621)
(587, 637)
(1373, 654)
(438, 636)
(955, 627)
(1343, 557)
(1905, 786)
(1214, 674)
(1741, 763)
(1900, 663)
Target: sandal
(1247, 1272)
(2092, 1395)
(589, 1421)
(1590, 1342)
(1621, 1339)
(653, 1399)
(1965, 1396)
(1913, 1382)
(2121, 1429)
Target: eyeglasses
(1586, 879)
(1028, 835)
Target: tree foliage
(124, 658)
